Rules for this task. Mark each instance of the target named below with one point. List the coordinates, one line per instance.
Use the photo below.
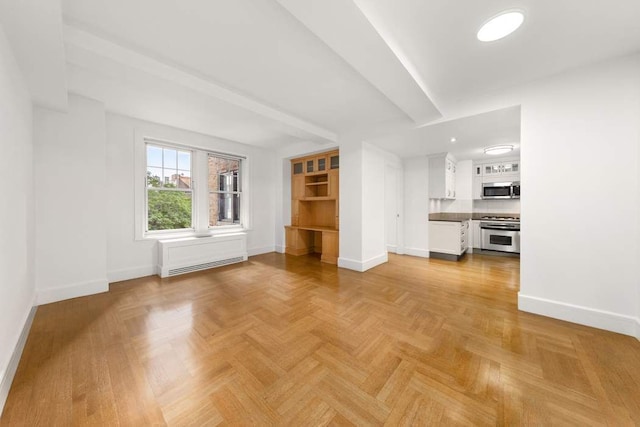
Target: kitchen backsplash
(467, 205)
(497, 206)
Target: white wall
(16, 216)
(350, 205)
(71, 201)
(362, 211)
(580, 248)
(374, 243)
(128, 258)
(416, 206)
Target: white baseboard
(587, 316)
(131, 273)
(280, 249)
(12, 367)
(416, 252)
(392, 248)
(362, 266)
(46, 296)
(260, 251)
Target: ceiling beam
(85, 40)
(346, 30)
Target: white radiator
(178, 256)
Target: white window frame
(146, 191)
(240, 186)
(200, 193)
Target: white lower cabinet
(448, 237)
(476, 235)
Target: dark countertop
(464, 216)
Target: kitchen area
(474, 205)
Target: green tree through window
(169, 189)
(167, 210)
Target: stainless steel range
(501, 234)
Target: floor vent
(206, 265)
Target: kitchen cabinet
(505, 170)
(448, 238)
(476, 235)
(502, 168)
(442, 176)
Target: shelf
(313, 228)
(318, 183)
(317, 198)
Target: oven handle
(500, 229)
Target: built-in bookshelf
(314, 206)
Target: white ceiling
(34, 29)
(438, 37)
(500, 127)
(279, 72)
(253, 47)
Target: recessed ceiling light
(500, 26)
(498, 149)
(453, 140)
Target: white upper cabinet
(442, 176)
(502, 168)
(484, 171)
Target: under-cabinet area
(314, 206)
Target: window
(224, 190)
(169, 191)
(186, 191)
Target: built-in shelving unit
(314, 206)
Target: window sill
(186, 234)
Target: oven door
(496, 190)
(501, 240)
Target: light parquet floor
(282, 340)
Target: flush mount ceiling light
(453, 140)
(498, 149)
(500, 26)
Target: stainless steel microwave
(501, 190)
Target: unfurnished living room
(299, 212)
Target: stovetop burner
(501, 218)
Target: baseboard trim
(392, 248)
(280, 249)
(587, 316)
(46, 296)
(131, 273)
(10, 372)
(422, 253)
(362, 266)
(260, 251)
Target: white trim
(422, 253)
(260, 251)
(46, 296)
(131, 273)
(362, 266)
(601, 319)
(9, 373)
(280, 249)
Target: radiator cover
(179, 256)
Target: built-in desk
(306, 239)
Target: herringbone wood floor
(290, 341)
